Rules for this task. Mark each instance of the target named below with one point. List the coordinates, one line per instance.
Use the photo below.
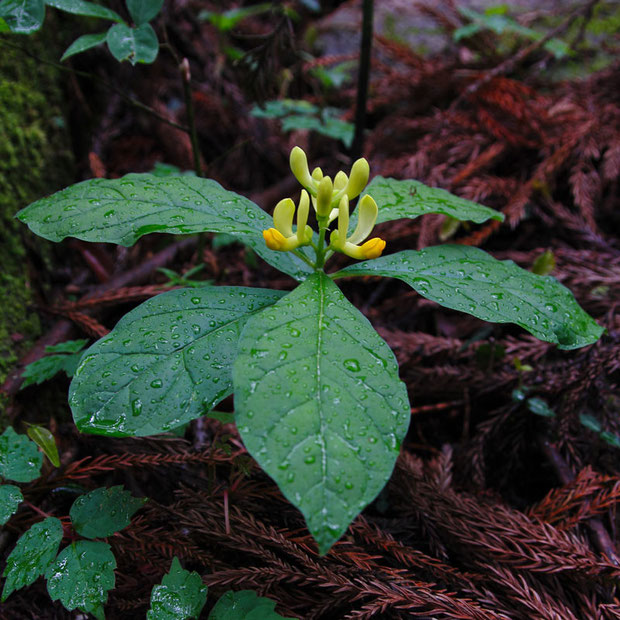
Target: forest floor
(497, 508)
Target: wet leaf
(319, 404)
(33, 554)
(83, 43)
(143, 11)
(137, 45)
(165, 363)
(10, 499)
(180, 596)
(82, 575)
(104, 511)
(45, 440)
(23, 16)
(88, 9)
(20, 459)
(123, 210)
(410, 199)
(245, 604)
(470, 280)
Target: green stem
(304, 258)
(189, 107)
(320, 253)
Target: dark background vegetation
(493, 511)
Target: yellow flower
(339, 241)
(282, 237)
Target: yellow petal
(317, 175)
(340, 180)
(299, 167)
(274, 239)
(358, 178)
(324, 197)
(302, 216)
(368, 211)
(373, 247)
(343, 219)
(283, 216)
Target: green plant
(182, 595)
(299, 114)
(318, 401)
(64, 357)
(497, 20)
(83, 572)
(137, 43)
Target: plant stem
(320, 252)
(362, 79)
(304, 258)
(189, 106)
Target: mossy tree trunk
(35, 160)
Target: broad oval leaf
(20, 459)
(87, 9)
(123, 210)
(23, 16)
(137, 45)
(468, 279)
(319, 404)
(10, 499)
(33, 554)
(104, 511)
(410, 199)
(244, 604)
(82, 575)
(143, 11)
(165, 363)
(180, 596)
(83, 43)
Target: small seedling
(318, 400)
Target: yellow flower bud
(324, 197)
(343, 219)
(340, 181)
(368, 211)
(373, 247)
(358, 178)
(299, 167)
(317, 175)
(274, 239)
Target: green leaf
(245, 604)
(540, 407)
(20, 460)
(143, 11)
(229, 19)
(467, 279)
(10, 498)
(104, 511)
(33, 554)
(23, 16)
(123, 210)
(137, 45)
(181, 595)
(165, 363)
(4, 27)
(82, 575)
(45, 440)
(590, 422)
(83, 43)
(69, 346)
(49, 366)
(410, 199)
(87, 9)
(319, 404)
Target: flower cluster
(330, 200)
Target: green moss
(35, 160)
